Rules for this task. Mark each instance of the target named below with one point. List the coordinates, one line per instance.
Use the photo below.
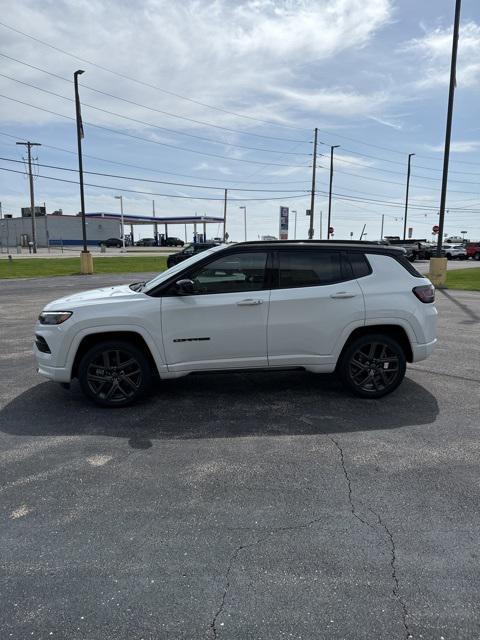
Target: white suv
(359, 309)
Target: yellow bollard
(438, 272)
(86, 263)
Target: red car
(473, 250)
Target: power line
(400, 173)
(299, 196)
(163, 144)
(198, 102)
(364, 177)
(151, 125)
(176, 184)
(164, 195)
(397, 162)
(161, 172)
(165, 113)
(147, 84)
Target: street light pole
(314, 176)
(335, 146)
(225, 234)
(295, 227)
(29, 146)
(410, 155)
(244, 221)
(121, 219)
(86, 263)
(381, 230)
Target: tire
(369, 354)
(476, 256)
(104, 381)
(448, 256)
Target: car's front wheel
(115, 373)
(372, 366)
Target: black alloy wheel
(373, 366)
(115, 374)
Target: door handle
(249, 302)
(343, 295)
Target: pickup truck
(473, 250)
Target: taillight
(425, 293)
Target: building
(56, 230)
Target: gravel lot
(240, 506)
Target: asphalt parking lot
(240, 506)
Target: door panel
(224, 325)
(306, 321)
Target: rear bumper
(422, 351)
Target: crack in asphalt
(391, 541)
(393, 560)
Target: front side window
(309, 268)
(232, 273)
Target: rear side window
(360, 265)
(406, 264)
(309, 268)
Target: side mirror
(185, 286)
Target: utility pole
(381, 231)
(225, 234)
(121, 222)
(29, 146)
(410, 155)
(244, 222)
(295, 227)
(321, 233)
(312, 196)
(363, 232)
(155, 226)
(335, 146)
(86, 262)
(448, 132)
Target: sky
(226, 94)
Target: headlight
(54, 317)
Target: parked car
(188, 251)
(145, 242)
(473, 250)
(455, 252)
(174, 242)
(111, 242)
(361, 310)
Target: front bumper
(57, 374)
(46, 365)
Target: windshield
(188, 248)
(151, 284)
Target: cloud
(459, 146)
(236, 55)
(335, 101)
(433, 53)
(386, 123)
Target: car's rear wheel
(372, 366)
(115, 373)
(476, 256)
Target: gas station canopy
(135, 219)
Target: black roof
(361, 245)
